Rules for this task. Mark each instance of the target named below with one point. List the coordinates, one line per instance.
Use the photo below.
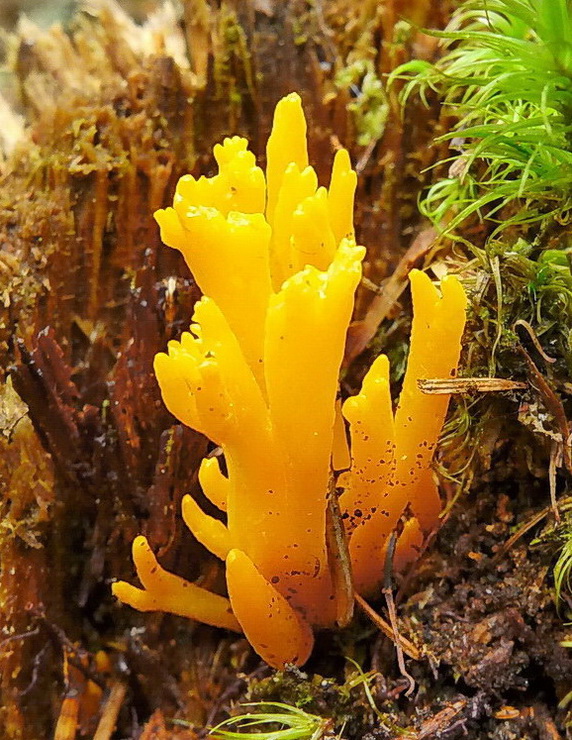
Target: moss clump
(507, 78)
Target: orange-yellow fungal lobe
(286, 145)
(297, 186)
(241, 290)
(277, 632)
(313, 240)
(214, 484)
(209, 531)
(436, 332)
(408, 545)
(370, 416)
(239, 185)
(163, 591)
(177, 371)
(341, 196)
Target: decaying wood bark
(98, 124)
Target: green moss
(233, 73)
(507, 78)
(273, 721)
(369, 105)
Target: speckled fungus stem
(276, 259)
(391, 456)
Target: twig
(21, 636)
(555, 462)
(553, 405)
(35, 671)
(445, 386)
(365, 157)
(407, 646)
(338, 557)
(444, 721)
(108, 720)
(534, 339)
(562, 505)
(387, 591)
(514, 538)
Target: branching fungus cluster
(276, 260)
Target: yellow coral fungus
(276, 260)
